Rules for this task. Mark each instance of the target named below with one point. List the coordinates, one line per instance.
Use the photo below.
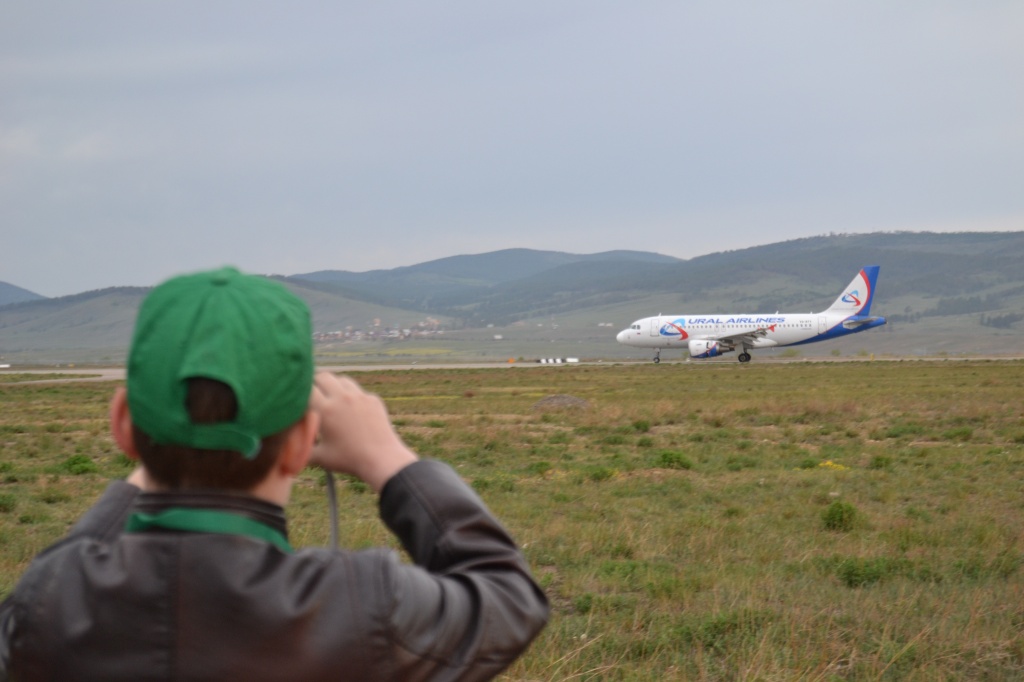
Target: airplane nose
(621, 336)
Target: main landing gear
(744, 356)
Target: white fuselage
(708, 336)
(782, 329)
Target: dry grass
(679, 520)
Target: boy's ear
(299, 444)
(121, 423)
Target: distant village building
(378, 332)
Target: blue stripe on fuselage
(839, 330)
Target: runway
(99, 374)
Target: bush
(583, 603)
(855, 572)
(961, 433)
(501, 483)
(672, 459)
(839, 516)
(735, 463)
(79, 464)
(538, 468)
(599, 473)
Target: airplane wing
(748, 338)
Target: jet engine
(703, 348)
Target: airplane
(709, 336)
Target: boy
(184, 570)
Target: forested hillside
(962, 292)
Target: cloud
(18, 143)
(140, 139)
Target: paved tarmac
(118, 373)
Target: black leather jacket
(104, 604)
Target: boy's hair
(179, 467)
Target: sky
(142, 139)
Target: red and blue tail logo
(856, 298)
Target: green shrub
(672, 459)
(860, 572)
(560, 438)
(583, 603)
(720, 631)
(736, 463)
(501, 483)
(54, 496)
(358, 487)
(839, 516)
(79, 464)
(538, 468)
(904, 429)
(961, 433)
(600, 473)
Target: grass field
(806, 521)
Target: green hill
(942, 293)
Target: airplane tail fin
(856, 297)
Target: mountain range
(942, 292)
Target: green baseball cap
(248, 332)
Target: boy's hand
(356, 435)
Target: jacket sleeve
(469, 606)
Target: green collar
(207, 521)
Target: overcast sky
(140, 139)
